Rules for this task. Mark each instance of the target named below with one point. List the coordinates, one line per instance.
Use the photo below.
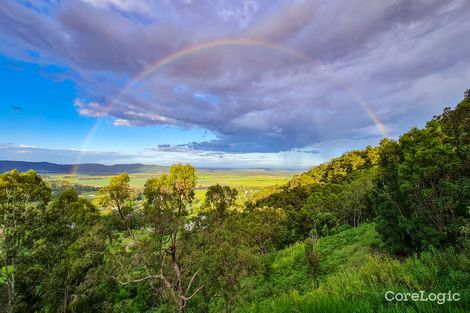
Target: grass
(353, 277)
(288, 271)
(246, 181)
(253, 178)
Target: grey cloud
(381, 57)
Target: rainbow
(149, 70)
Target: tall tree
(72, 242)
(424, 183)
(220, 247)
(220, 198)
(23, 197)
(118, 196)
(167, 201)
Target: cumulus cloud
(307, 72)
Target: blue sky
(38, 110)
(236, 84)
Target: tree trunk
(11, 289)
(228, 304)
(126, 223)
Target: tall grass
(353, 287)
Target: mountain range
(86, 168)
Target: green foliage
(224, 254)
(360, 286)
(312, 256)
(59, 186)
(266, 228)
(23, 198)
(119, 197)
(288, 270)
(424, 184)
(159, 254)
(312, 245)
(341, 187)
(220, 198)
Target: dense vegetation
(334, 239)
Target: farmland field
(246, 181)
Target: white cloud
(140, 6)
(90, 109)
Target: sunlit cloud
(297, 79)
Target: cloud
(136, 6)
(318, 71)
(9, 151)
(185, 148)
(134, 118)
(161, 155)
(90, 109)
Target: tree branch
(194, 293)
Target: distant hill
(86, 168)
(101, 169)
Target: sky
(222, 83)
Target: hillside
(339, 238)
(353, 276)
(86, 168)
(102, 169)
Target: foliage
(312, 256)
(23, 197)
(359, 286)
(159, 254)
(119, 197)
(342, 188)
(424, 184)
(220, 198)
(314, 244)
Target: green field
(246, 181)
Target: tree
(23, 197)
(327, 187)
(224, 255)
(167, 201)
(311, 255)
(220, 247)
(72, 243)
(423, 186)
(220, 198)
(266, 228)
(118, 196)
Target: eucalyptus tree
(166, 207)
(119, 197)
(220, 248)
(219, 199)
(23, 198)
(72, 244)
(424, 184)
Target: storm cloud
(268, 76)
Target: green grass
(247, 181)
(252, 178)
(348, 249)
(288, 271)
(353, 277)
